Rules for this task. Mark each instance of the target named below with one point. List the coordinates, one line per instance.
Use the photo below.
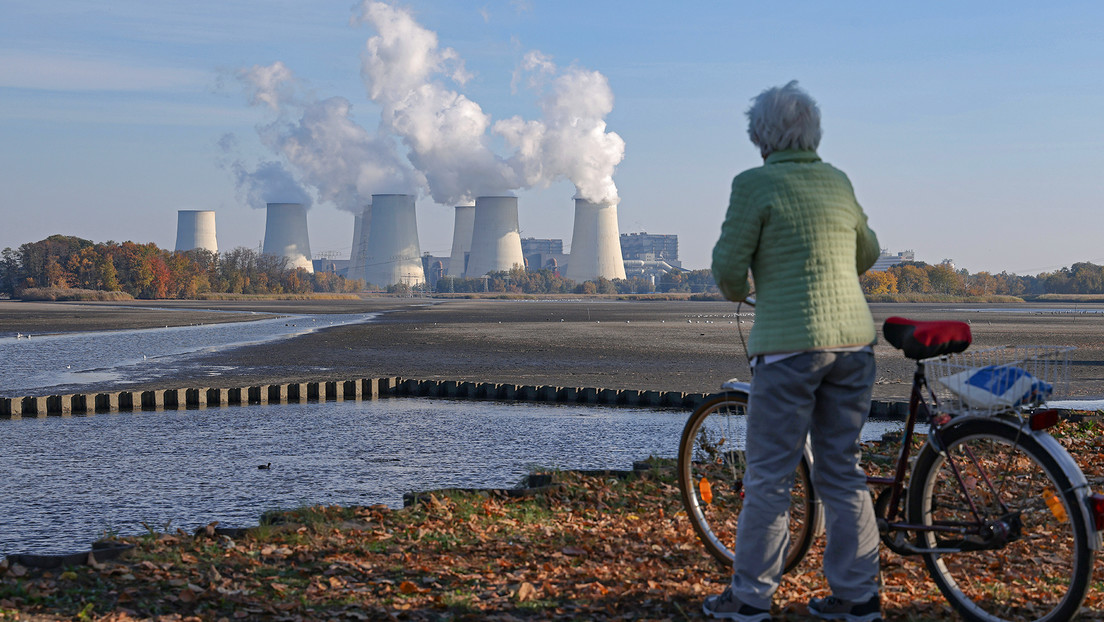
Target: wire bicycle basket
(990, 381)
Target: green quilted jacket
(796, 224)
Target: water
(65, 362)
(68, 480)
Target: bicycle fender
(1066, 463)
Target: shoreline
(645, 345)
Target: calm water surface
(65, 362)
(68, 480)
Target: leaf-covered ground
(594, 548)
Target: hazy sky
(971, 131)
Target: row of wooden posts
(353, 390)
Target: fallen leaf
(526, 591)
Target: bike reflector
(706, 490)
(1043, 419)
(1096, 506)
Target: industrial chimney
(496, 239)
(461, 239)
(595, 243)
(195, 229)
(286, 235)
(392, 253)
(361, 222)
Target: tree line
(916, 277)
(146, 271)
(545, 281)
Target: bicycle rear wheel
(711, 470)
(1031, 560)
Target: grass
(66, 293)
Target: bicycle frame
(919, 408)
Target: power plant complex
(385, 249)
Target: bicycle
(1001, 514)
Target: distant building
(650, 247)
(887, 261)
(543, 253)
(435, 269)
(649, 255)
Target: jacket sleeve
(867, 249)
(733, 253)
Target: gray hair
(784, 117)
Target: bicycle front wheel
(1023, 550)
(711, 477)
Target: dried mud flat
(639, 344)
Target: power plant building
(357, 262)
(595, 243)
(543, 253)
(392, 253)
(462, 230)
(496, 237)
(286, 235)
(649, 247)
(195, 229)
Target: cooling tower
(461, 239)
(392, 254)
(361, 222)
(595, 243)
(286, 235)
(496, 240)
(195, 229)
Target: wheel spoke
(1025, 556)
(711, 476)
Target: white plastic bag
(996, 387)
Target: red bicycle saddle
(924, 340)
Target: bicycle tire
(721, 420)
(1043, 569)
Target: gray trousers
(827, 395)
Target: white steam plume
(330, 152)
(445, 132)
(268, 182)
(571, 141)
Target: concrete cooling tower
(195, 229)
(286, 235)
(461, 239)
(496, 239)
(392, 254)
(595, 243)
(361, 222)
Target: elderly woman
(795, 223)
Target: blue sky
(971, 131)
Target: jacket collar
(792, 155)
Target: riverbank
(646, 345)
(591, 546)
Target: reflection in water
(65, 362)
(70, 479)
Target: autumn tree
(877, 283)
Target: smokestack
(286, 235)
(595, 243)
(496, 239)
(462, 231)
(392, 254)
(361, 222)
(195, 229)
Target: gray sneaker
(832, 608)
(727, 607)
